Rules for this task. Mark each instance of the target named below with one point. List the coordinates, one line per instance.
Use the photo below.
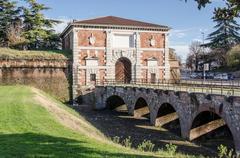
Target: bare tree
(195, 55)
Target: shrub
(116, 139)
(127, 142)
(171, 149)
(223, 152)
(146, 145)
(233, 56)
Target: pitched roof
(112, 20)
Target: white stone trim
(152, 49)
(89, 67)
(138, 56)
(109, 72)
(121, 30)
(166, 58)
(147, 67)
(75, 75)
(91, 48)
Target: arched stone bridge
(197, 113)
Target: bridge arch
(141, 108)
(167, 117)
(117, 103)
(207, 124)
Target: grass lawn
(29, 130)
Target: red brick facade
(96, 51)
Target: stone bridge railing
(221, 87)
(187, 105)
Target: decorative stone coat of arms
(152, 42)
(92, 39)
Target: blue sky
(186, 21)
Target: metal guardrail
(220, 87)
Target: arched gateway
(123, 72)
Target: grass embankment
(28, 129)
(7, 53)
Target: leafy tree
(9, 19)
(37, 29)
(231, 10)
(233, 57)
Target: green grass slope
(7, 53)
(27, 129)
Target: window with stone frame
(92, 77)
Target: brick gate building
(113, 48)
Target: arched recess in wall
(168, 118)
(123, 70)
(116, 103)
(141, 109)
(209, 129)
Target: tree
(9, 19)
(233, 57)
(231, 9)
(195, 55)
(226, 35)
(37, 29)
(224, 38)
(14, 35)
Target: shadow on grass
(37, 145)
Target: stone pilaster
(138, 56)
(110, 69)
(75, 71)
(166, 59)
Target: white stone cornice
(152, 49)
(90, 48)
(121, 30)
(91, 67)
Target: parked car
(230, 77)
(224, 76)
(209, 75)
(193, 75)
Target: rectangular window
(92, 77)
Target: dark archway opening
(116, 103)
(141, 109)
(123, 70)
(210, 130)
(168, 118)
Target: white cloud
(180, 33)
(60, 27)
(181, 50)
